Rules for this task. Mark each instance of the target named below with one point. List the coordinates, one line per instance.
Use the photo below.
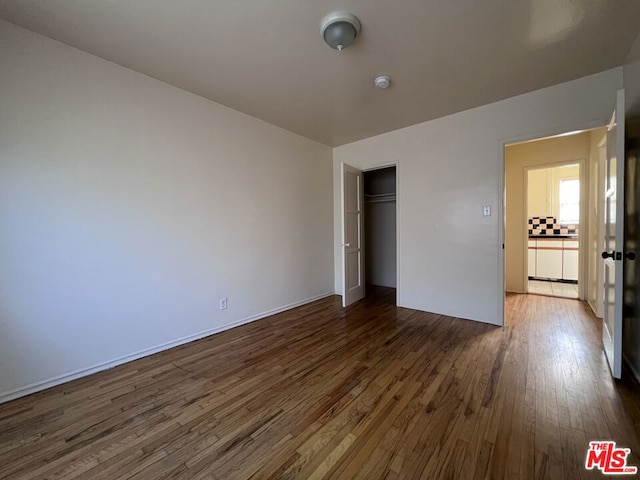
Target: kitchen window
(569, 197)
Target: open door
(614, 238)
(631, 322)
(352, 234)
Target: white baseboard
(67, 377)
(594, 309)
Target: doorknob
(346, 244)
(606, 255)
(630, 255)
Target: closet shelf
(381, 197)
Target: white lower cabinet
(531, 262)
(553, 259)
(549, 259)
(570, 260)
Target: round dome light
(340, 29)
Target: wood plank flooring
(370, 392)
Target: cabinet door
(549, 259)
(531, 262)
(570, 260)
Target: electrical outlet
(223, 304)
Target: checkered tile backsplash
(549, 226)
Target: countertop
(555, 237)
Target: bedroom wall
(450, 257)
(129, 207)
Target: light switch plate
(486, 210)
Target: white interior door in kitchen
(352, 235)
(614, 237)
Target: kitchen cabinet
(531, 263)
(549, 259)
(570, 260)
(553, 258)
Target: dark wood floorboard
(370, 392)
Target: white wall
(543, 186)
(538, 191)
(129, 207)
(450, 257)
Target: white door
(352, 231)
(614, 237)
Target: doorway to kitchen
(552, 238)
(553, 230)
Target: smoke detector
(340, 29)
(382, 82)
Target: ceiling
(267, 58)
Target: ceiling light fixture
(382, 82)
(340, 29)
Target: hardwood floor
(370, 392)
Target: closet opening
(380, 242)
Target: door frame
(502, 194)
(583, 225)
(395, 164)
